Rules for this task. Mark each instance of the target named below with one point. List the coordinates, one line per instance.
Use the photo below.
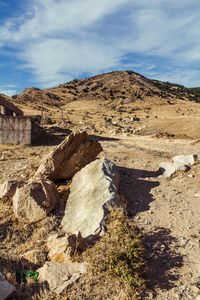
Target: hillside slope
(120, 87)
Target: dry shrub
(116, 263)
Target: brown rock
(35, 200)
(62, 248)
(69, 157)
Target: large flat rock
(93, 192)
(69, 157)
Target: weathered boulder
(35, 200)
(6, 289)
(70, 156)
(60, 275)
(180, 163)
(8, 188)
(61, 248)
(93, 192)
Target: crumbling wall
(9, 109)
(15, 130)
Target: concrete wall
(15, 130)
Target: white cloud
(7, 92)
(60, 39)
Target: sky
(44, 43)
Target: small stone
(178, 296)
(6, 289)
(190, 175)
(197, 195)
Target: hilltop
(120, 87)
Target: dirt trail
(166, 209)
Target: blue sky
(44, 43)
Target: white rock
(185, 159)
(169, 168)
(190, 175)
(35, 200)
(197, 195)
(93, 191)
(60, 275)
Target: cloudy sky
(44, 43)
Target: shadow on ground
(136, 189)
(162, 259)
(102, 138)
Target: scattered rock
(93, 192)
(60, 275)
(35, 200)
(8, 188)
(69, 157)
(168, 168)
(6, 289)
(180, 163)
(191, 175)
(185, 159)
(62, 248)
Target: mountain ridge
(124, 86)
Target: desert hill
(120, 87)
(120, 102)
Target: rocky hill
(120, 87)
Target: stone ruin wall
(17, 130)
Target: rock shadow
(102, 138)
(136, 189)
(51, 136)
(162, 260)
(161, 255)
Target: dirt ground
(166, 209)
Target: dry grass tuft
(116, 264)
